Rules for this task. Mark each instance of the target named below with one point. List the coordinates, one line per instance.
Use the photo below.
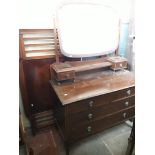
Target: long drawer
(101, 112)
(93, 127)
(94, 102)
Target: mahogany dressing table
(93, 103)
(89, 96)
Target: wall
(39, 13)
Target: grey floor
(110, 142)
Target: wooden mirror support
(67, 70)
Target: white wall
(36, 13)
(39, 13)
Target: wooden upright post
(56, 43)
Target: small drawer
(119, 65)
(117, 62)
(65, 75)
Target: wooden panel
(42, 121)
(23, 89)
(37, 73)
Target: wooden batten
(55, 43)
(37, 43)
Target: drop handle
(124, 115)
(128, 92)
(126, 103)
(89, 129)
(90, 116)
(91, 103)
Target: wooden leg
(131, 141)
(67, 149)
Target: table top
(93, 84)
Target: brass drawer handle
(124, 115)
(89, 129)
(90, 116)
(128, 92)
(126, 103)
(91, 103)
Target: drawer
(119, 65)
(89, 104)
(114, 119)
(100, 125)
(65, 75)
(122, 93)
(102, 111)
(94, 102)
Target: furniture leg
(67, 149)
(131, 140)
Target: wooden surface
(42, 144)
(78, 66)
(95, 84)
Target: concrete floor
(110, 142)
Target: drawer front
(99, 125)
(89, 104)
(124, 93)
(66, 75)
(119, 65)
(114, 119)
(101, 112)
(98, 101)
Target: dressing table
(93, 103)
(102, 93)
